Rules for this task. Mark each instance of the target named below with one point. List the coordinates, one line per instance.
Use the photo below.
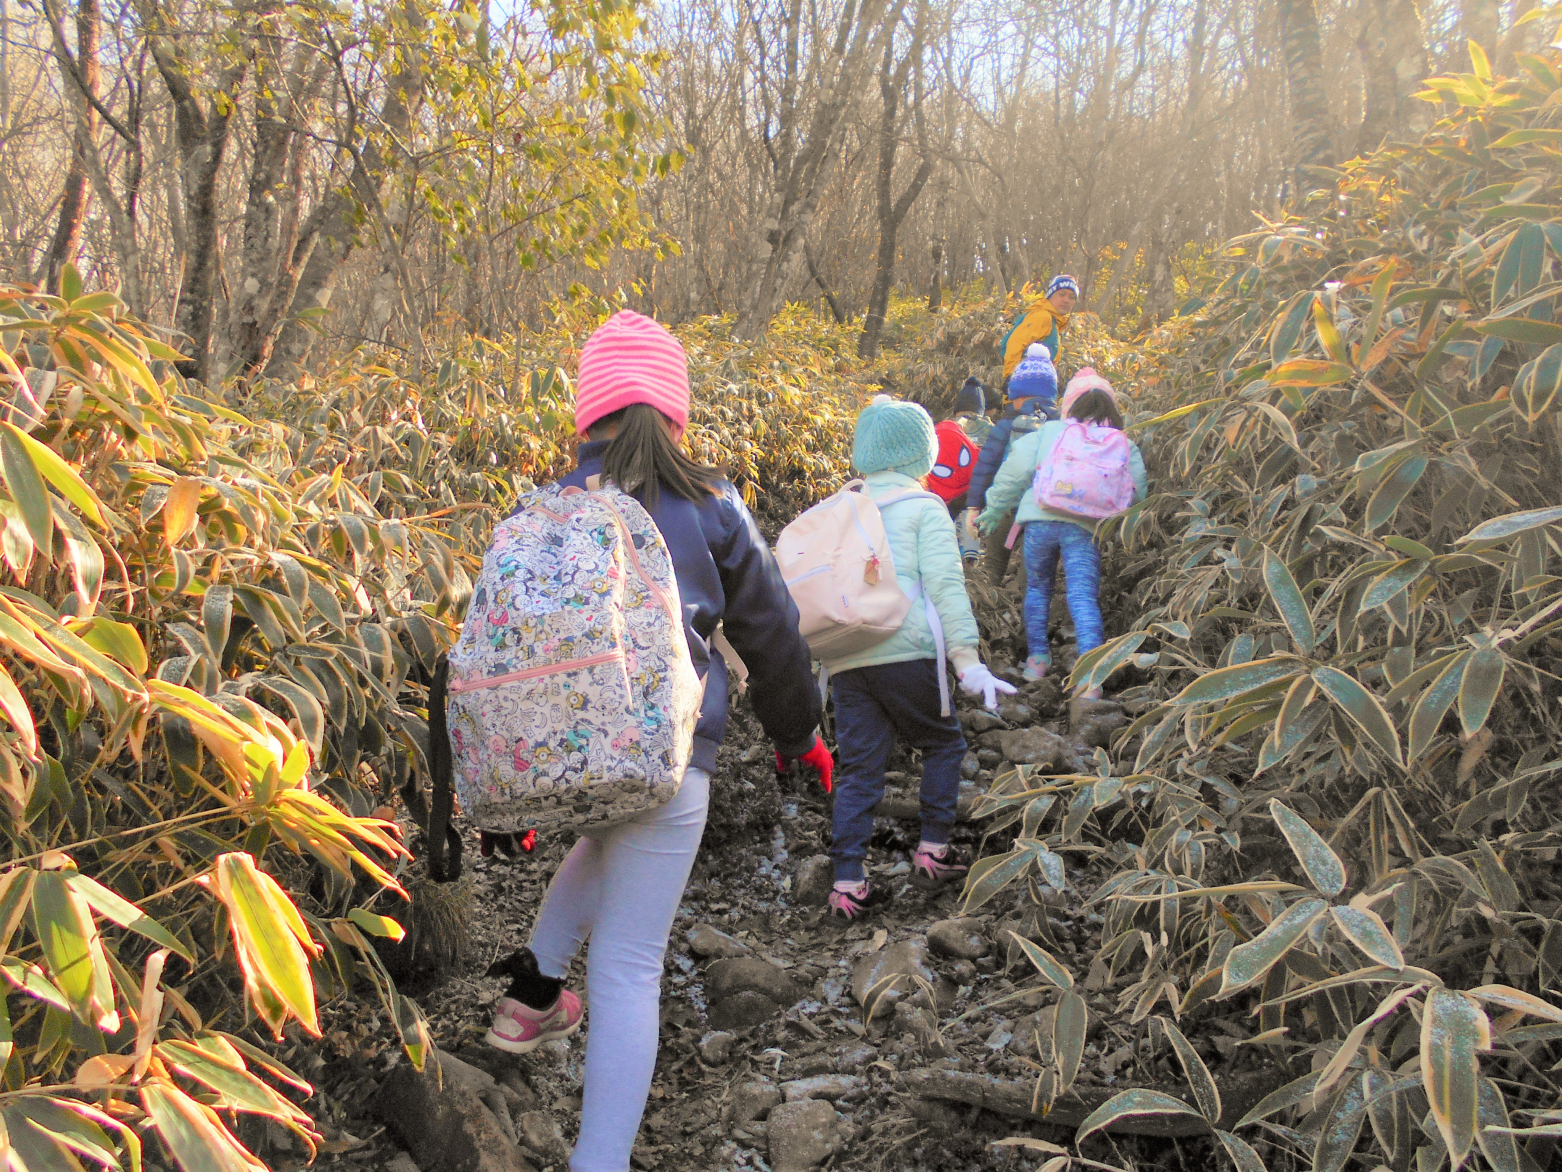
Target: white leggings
(621, 888)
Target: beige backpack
(837, 564)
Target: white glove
(976, 680)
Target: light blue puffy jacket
(926, 550)
(1013, 484)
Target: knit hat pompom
(631, 359)
(893, 436)
(1035, 376)
(1085, 379)
(1063, 281)
(972, 397)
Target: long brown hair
(643, 457)
(1096, 406)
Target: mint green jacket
(1013, 484)
(926, 550)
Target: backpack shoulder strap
(909, 495)
(440, 834)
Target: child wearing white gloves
(898, 688)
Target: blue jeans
(1045, 543)
(874, 705)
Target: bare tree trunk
(1313, 140)
(73, 203)
(800, 173)
(892, 211)
(202, 135)
(1393, 62)
(330, 235)
(935, 293)
(1478, 22)
(272, 259)
(829, 295)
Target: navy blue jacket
(726, 574)
(1037, 412)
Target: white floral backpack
(572, 697)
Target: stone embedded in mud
(1027, 1031)
(744, 974)
(753, 1100)
(1035, 746)
(741, 1011)
(1046, 695)
(894, 972)
(850, 1087)
(919, 1023)
(1098, 730)
(444, 1124)
(982, 721)
(813, 880)
(961, 972)
(803, 1135)
(716, 1047)
(709, 943)
(958, 939)
(970, 766)
(989, 758)
(540, 1132)
(992, 740)
(854, 1055)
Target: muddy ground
(748, 898)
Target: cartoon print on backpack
(572, 680)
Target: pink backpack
(1086, 473)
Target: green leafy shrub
(204, 651)
(1337, 805)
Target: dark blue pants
(873, 706)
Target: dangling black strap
(442, 867)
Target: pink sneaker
(930, 870)
(848, 905)
(520, 1029)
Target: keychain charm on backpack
(573, 699)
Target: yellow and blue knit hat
(894, 437)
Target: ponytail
(643, 458)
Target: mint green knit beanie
(894, 437)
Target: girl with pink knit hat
(1056, 535)
(620, 887)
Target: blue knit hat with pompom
(1035, 376)
(894, 437)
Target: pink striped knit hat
(1085, 379)
(631, 359)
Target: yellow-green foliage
(1337, 809)
(492, 416)
(205, 638)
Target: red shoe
(931, 871)
(520, 1029)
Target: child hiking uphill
(620, 886)
(960, 439)
(1064, 477)
(897, 688)
(1033, 393)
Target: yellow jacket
(1040, 323)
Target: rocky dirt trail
(791, 1040)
